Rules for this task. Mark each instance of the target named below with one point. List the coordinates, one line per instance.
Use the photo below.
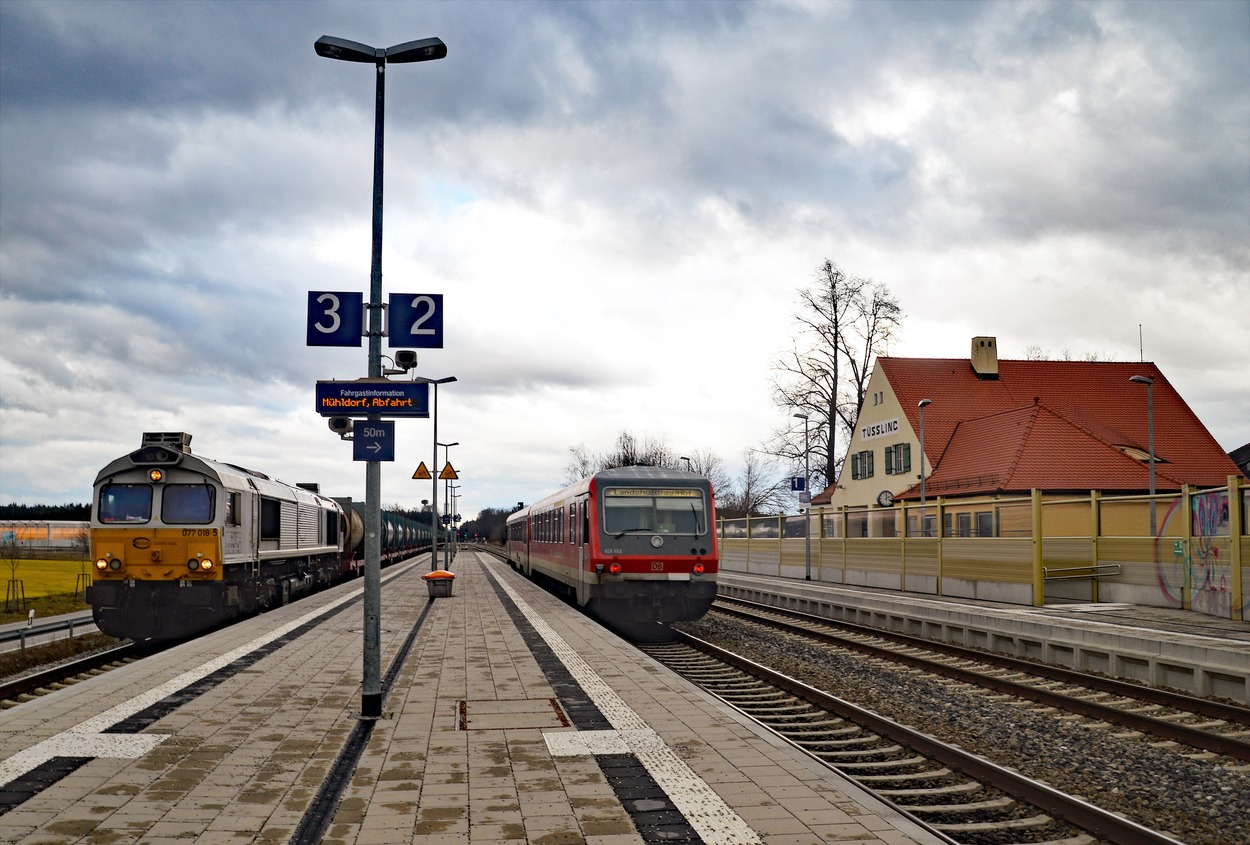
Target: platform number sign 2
(415, 321)
(335, 318)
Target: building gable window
(861, 465)
(898, 459)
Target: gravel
(1198, 801)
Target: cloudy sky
(618, 202)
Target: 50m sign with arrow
(374, 441)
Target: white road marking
(713, 819)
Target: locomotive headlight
(206, 564)
(698, 569)
(614, 568)
(101, 564)
(193, 564)
(115, 564)
(156, 476)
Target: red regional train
(634, 546)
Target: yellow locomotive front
(156, 543)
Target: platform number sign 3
(335, 318)
(415, 321)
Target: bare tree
(629, 451)
(709, 464)
(759, 488)
(844, 323)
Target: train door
(580, 535)
(526, 536)
(250, 513)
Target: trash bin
(439, 581)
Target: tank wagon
(182, 543)
(634, 546)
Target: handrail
(21, 633)
(1091, 571)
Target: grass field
(48, 586)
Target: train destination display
(362, 397)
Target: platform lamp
(921, 405)
(434, 475)
(425, 50)
(446, 495)
(1150, 445)
(807, 512)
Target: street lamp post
(446, 493)
(353, 51)
(434, 463)
(807, 512)
(921, 405)
(1150, 445)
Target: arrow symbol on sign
(376, 447)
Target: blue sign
(335, 318)
(373, 441)
(798, 484)
(415, 320)
(373, 396)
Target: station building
(996, 429)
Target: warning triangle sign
(422, 472)
(448, 473)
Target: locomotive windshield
(657, 510)
(125, 503)
(187, 504)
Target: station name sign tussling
(881, 429)
(363, 397)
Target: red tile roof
(1051, 425)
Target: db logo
(657, 566)
(141, 543)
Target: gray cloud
(589, 182)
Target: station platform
(508, 717)
(1166, 647)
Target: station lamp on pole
(446, 494)
(435, 382)
(921, 405)
(807, 512)
(424, 50)
(1150, 445)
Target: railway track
(1213, 726)
(14, 691)
(960, 795)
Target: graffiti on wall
(1210, 573)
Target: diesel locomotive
(182, 544)
(634, 546)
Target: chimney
(985, 357)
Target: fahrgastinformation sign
(362, 397)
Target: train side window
(232, 509)
(332, 528)
(187, 504)
(125, 503)
(270, 519)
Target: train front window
(125, 503)
(187, 504)
(653, 511)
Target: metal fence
(1029, 550)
